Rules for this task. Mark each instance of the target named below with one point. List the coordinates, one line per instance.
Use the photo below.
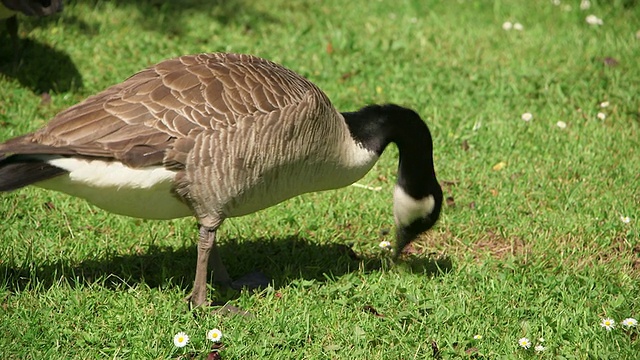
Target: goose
(10, 8)
(217, 136)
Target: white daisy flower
(629, 322)
(608, 324)
(593, 20)
(539, 348)
(507, 25)
(585, 4)
(524, 342)
(601, 116)
(625, 219)
(385, 245)
(604, 104)
(181, 339)
(214, 335)
(527, 116)
(477, 337)
(517, 26)
(561, 124)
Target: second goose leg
(208, 251)
(254, 280)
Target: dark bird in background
(9, 10)
(217, 136)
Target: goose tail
(19, 170)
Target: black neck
(376, 126)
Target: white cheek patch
(406, 209)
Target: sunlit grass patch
(535, 144)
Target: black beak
(403, 238)
(406, 234)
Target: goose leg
(206, 243)
(254, 280)
(220, 274)
(206, 248)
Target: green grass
(536, 249)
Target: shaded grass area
(535, 247)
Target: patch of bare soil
(490, 243)
(574, 251)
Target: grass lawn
(539, 237)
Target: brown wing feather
(154, 116)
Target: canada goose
(218, 136)
(10, 8)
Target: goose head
(417, 197)
(414, 216)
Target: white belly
(142, 193)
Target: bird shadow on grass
(169, 16)
(39, 67)
(284, 260)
